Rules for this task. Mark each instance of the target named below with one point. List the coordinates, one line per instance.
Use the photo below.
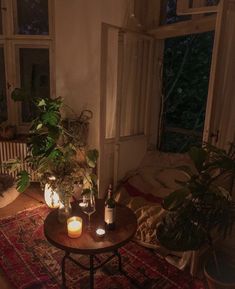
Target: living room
(125, 93)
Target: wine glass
(88, 207)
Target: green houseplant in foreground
(201, 210)
(56, 149)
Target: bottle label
(109, 215)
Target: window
(170, 13)
(186, 73)
(26, 42)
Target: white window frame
(11, 43)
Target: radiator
(12, 150)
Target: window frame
(11, 43)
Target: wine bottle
(110, 210)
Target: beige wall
(77, 52)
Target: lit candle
(74, 226)
(100, 232)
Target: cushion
(8, 191)
(168, 177)
(142, 190)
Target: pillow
(8, 191)
(168, 178)
(134, 192)
(147, 209)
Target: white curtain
(136, 86)
(136, 90)
(111, 84)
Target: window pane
(32, 17)
(187, 61)
(3, 98)
(171, 16)
(35, 77)
(212, 2)
(177, 142)
(0, 17)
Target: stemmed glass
(88, 207)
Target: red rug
(29, 261)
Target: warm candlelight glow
(100, 232)
(51, 197)
(74, 226)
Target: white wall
(77, 52)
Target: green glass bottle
(110, 210)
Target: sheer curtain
(135, 84)
(136, 87)
(111, 83)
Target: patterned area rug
(29, 261)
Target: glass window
(34, 76)
(170, 13)
(187, 61)
(212, 2)
(3, 98)
(31, 17)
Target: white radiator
(12, 150)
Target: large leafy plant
(56, 151)
(201, 208)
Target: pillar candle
(74, 226)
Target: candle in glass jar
(74, 226)
(100, 232)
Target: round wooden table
(89, 243)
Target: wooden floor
(32, 197)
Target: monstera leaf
(175, 200)
(180, 234)
(23, 181)
(198, 156)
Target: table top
(89, 243)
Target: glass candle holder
(100, 232)
(74, 226)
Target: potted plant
(57, 151)
(201, 210)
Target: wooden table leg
(63, 270)
(91, 272)
(119, 260)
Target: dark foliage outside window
(35, 78)
(171, 16)
(32, 17)
(212, 2)
(186, 72)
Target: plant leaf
(22, 181)
(51, 118)
(91, 158)
(198, 156)
(174, 200)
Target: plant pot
(227, 281)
